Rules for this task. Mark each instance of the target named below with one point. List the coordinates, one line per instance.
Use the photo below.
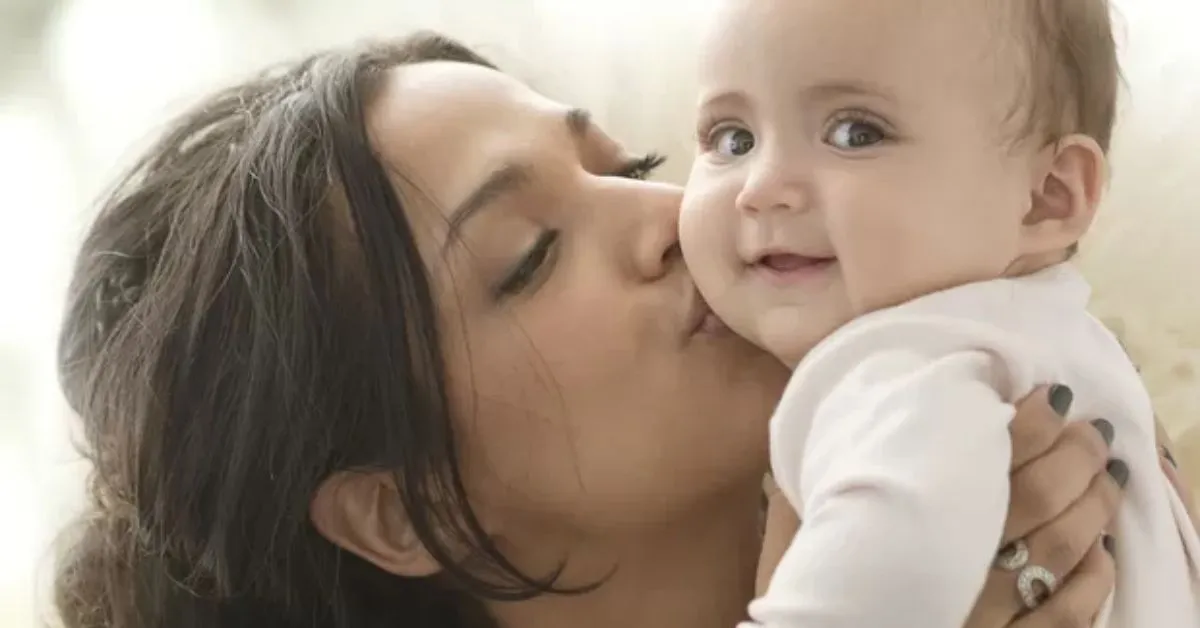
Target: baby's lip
(785, 260)
(788, 269)
(790, 262)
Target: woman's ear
(362, 514)
(1067, 191)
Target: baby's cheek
(708, 227)
(704, 238)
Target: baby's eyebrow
(729, 98)
(837, 89)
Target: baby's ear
(362, 514)
(1068, 186)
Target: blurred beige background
(83, 83)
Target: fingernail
(1170, 458)
(1061, 398)
(1109, 543)
(1119, 472)
(1106, 430)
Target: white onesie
(893, 436)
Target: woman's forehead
(444, 125)
(447, 91)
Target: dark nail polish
(1119, 472)
(1109, 543)
(1061, 398)
(1171, 459)
(1106, 430)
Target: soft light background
(83, 82)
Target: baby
(885, 197)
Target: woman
(385, 338)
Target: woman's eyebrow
(506, 179)
(579, 121)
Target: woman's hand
(1065, 491)
(1171, 468)
(782, 525)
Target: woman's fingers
(1181, 487)
(1045, 486)
(1061, 545)
(1038, 422)
(1080, 598)
(1171, 468)
(1064, 546)
(782, 524)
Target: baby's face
(852, 154)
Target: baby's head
(854, 154)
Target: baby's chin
(787, 331)
(790, 333)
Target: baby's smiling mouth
(788, 267)
(791, 262)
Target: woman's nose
(656, 248)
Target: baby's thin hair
(1070, 59)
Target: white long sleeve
(892, 439)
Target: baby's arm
(904, 479)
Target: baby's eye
(732, 141)
(854, 134)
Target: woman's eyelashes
(641, 167)
(531, 267)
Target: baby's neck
(1022, 267)
(1030, 264)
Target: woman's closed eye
(531, 269)
(532, 266)
(641, 167)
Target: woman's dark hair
(248, 315)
